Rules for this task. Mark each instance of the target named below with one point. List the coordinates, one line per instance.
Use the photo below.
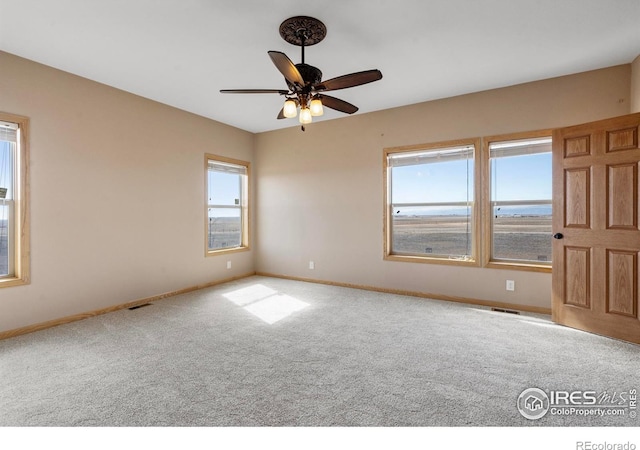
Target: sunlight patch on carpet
(275, 308)
(265, 303)
(249, 294)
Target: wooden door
(596, 227)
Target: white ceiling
(182, 52)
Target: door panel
(577, 146)
(577, 206)
(577, 286)
(622, 205)
(622, 139)
(622, 283)
(596, 218)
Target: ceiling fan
(306, 90)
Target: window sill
(432, 260)
(13, 281)
(509, 265)
(224, 251)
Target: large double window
(477, 201)
(14, 214)
(227, 220)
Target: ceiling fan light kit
(316, 107)
(290, 109)
(305, 86)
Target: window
(519, 207)
(430, 203)
(14, 214)
(227, 227)
(435, 195)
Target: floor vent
(508, 311)
(139, 306)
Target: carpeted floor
(272, 352)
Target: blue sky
(429, 183)
(224, 189)
(5, 167)
(525, 177)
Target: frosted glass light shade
(305, 115)
(316, 107)
(289, 109)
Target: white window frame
(242, 206)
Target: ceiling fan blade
(350, 80)
(281, 114)
(254, 91)
(286, 67)
(337, 104)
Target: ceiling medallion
(302, 30)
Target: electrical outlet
(312, 265)
(228, 264)
(511, 285)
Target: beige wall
(635, 85)
(117, 195)
(320, 192)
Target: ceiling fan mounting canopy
(302, 31)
